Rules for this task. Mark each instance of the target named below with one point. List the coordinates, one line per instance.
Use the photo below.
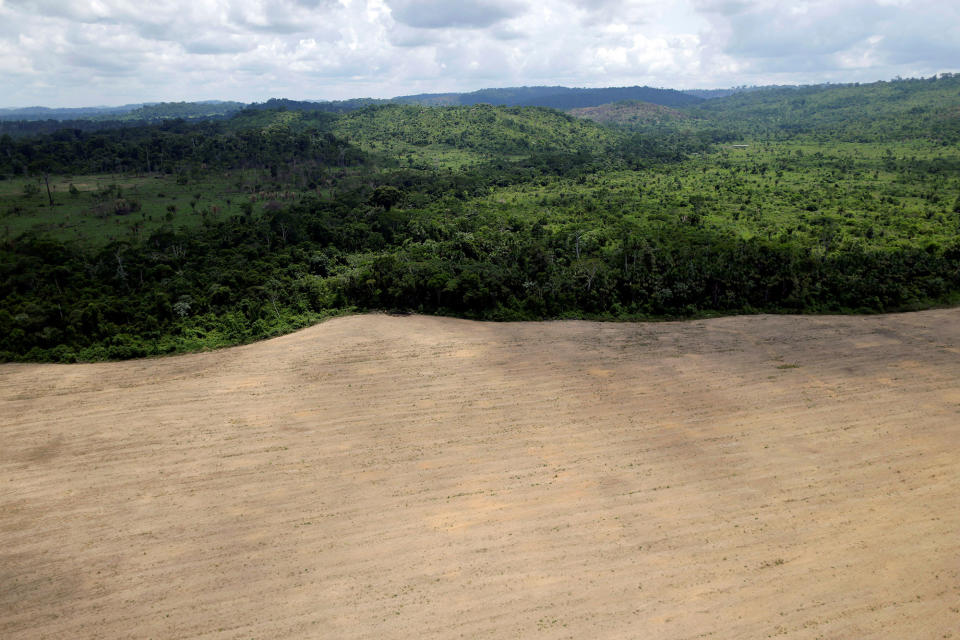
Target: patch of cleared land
(416, 477)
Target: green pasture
(107, 207)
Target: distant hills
(46, 113)
(145, 111)
(712, 94)
(629, 112)
(328, 106)
(561, 98)
(555, 97)
(477, 129)
(900, 109)
(892, 110)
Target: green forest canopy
(159, 238)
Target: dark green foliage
(487, 212)
(182, 111)
(481, 129)
(555, 97)
(878, 112)
(175, 146)
(40, 120)
(386, 196)
(134, 112)
(333, 106)
(244, 280)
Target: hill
(330, 106)
(927, 108)
(629, 113)
(182, 110)
(147, 112)
(481, 130)
(711, 94)
(29, 122)
(384, 477)
(556, 97)
(430, 99)
(185, 235)
(75, 113)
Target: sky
(63, 53)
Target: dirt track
(383, 477)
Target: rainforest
(187, 228)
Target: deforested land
(390, 477)
(526, 362)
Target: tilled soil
(418, 477)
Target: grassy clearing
(103, 208)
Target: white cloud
(442, 14)
(817, 40)
(62, 53)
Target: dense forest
(146, 239)
(39, 120)
(555, 97)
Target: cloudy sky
(109, 52)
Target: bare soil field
(418, 477)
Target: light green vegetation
(274, 219)
(108, 207)
(926, 108)
(278, 121)
(630, 113)
(452, 137)
(878, 195)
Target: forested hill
(882, 111)
(183, 110)
(630, 113)
(33, 121)
(712, 94)
(194, 234)
(556, 97)
(479, 128)
(40, 120)
(330, 106)
(138, 112)
(75, 113)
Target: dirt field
(413, 477)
